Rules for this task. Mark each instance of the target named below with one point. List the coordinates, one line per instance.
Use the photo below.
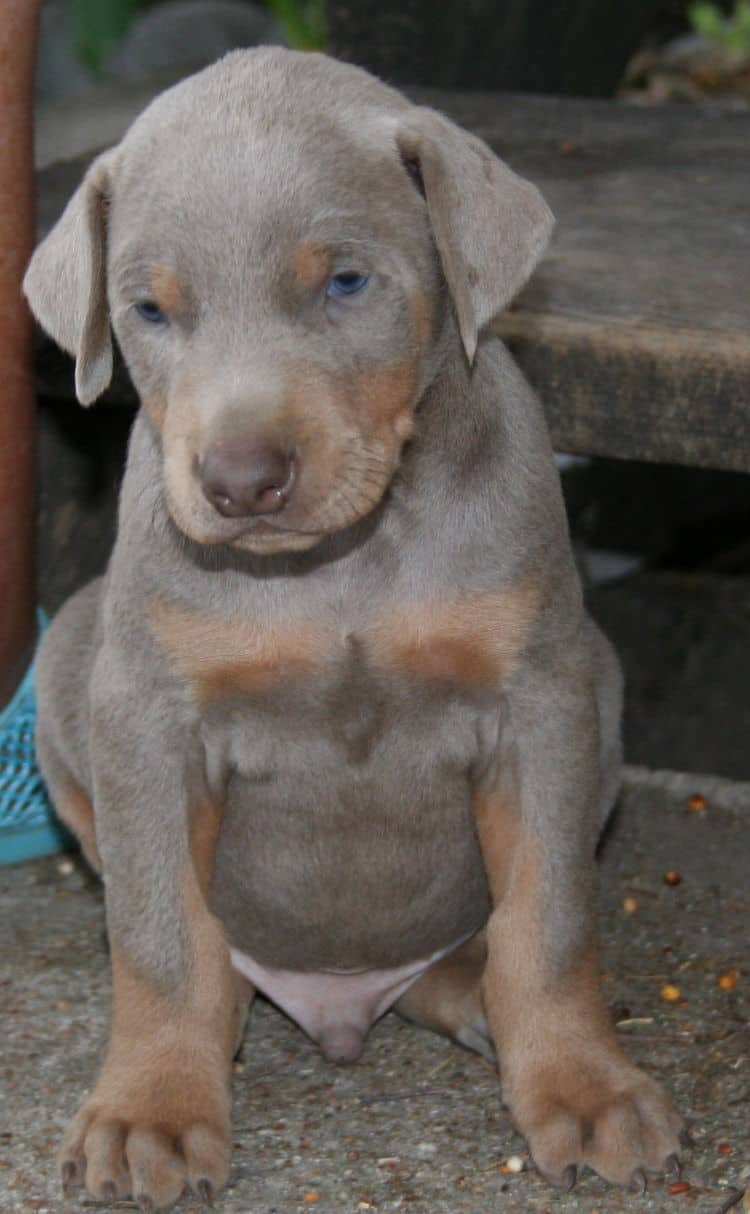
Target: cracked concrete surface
(416, 1125)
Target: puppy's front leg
(159, 1115)
(570, 1089)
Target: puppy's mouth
(295, 528)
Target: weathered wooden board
(636, 327)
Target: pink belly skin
(336, 1008)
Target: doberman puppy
(335, 725)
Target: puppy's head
(271, 243)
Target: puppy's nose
(240, 479)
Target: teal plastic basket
(28, 824)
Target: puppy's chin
(264, 543)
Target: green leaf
(98, 25)
(302, 22)
(732, 33)
(707, 19)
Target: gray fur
(348, 838)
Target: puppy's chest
(351, 671)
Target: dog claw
(638, 1182)
(569, 1177)
(205, 1191)
(672, 1168)
(68, 1176)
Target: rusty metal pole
(18, 34)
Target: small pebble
(513, 1164)
(670, 993)
(630, 905)
(672, 877)
(65, 867)
(426, 1150)
(696, 804)
(724, 1148)
(312, 1196)
(727, 981)
(678, 1186)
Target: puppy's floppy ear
(65, 283)
(490, 226)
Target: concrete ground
(417, 1124)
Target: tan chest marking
(220, 656)
(475, 639)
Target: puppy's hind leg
(448, 998)
(62, 673)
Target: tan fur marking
(221, 657)
(570, 1089)
(205, 824)
(156, 407)
(421, 312)
(475, 639)
(76, 810)
(386, 394)
(204, 827)
(181, 440)
(168, 289)
(148, 1025)
(312, 265)
(161, 1103)
(499, 828)
(517, 977)
(379, 403)
(514, 933)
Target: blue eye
(348, 283)
(151, 312)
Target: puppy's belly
(325, 864)
(369, 886)
(336, 1007)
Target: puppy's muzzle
(244, 480)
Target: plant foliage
(98, 25)
(302, 22)
(730, 33)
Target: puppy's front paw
(603, 1112)
(148, 1135)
